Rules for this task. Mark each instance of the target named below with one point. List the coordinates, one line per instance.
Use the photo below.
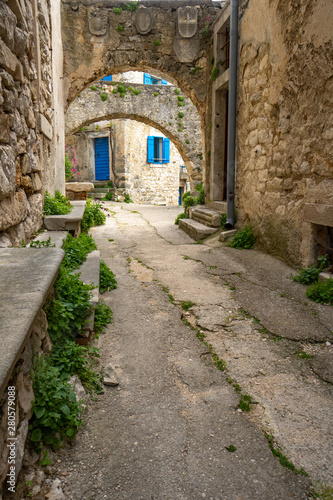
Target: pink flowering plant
(70, 163)
(205, 30)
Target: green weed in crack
(282, 458)
(187, 305)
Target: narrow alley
(172, 428)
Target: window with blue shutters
(147, 79)
(152, 80)
(158, 149)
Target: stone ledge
(206, 216)
(77, 187)
(318, 213)
(67, 222)
(26, 276)
(57, 237)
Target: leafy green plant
(177, 91)
(42, 244)
(215, 73)
(107, 280)
(104, 96)
(120, 27)
(56, 205)
(117, 10)
(93, 87)
(122, 89)
(108, 197)
(109, 184)
(103, 316)
(245, 402)
(244, 238)
(128, 199)
(187, 305)
(71, 358)
(231, 448)
(321, 292)
(68, 310)
(180, 115)
(76, 250)
(56, 413)
(187, 141)
(156, 93)
(93, 216)
(157, 42)
(185, 195)
(190, 201)
(137, 91)
(180, 98)
(45, 461)
(308, 275)
(303, 355)
(181, 216)
(132, 6)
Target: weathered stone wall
(157, 106)
(23, 396)
(95, 46)
(26, 115)
(285, 121)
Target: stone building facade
(145, 182)
(284, 171)
(30, 85)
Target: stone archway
(108, 38)
(165, 108)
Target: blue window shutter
(147, 79)
(166, 150)
(164, 82)
(150, 149)
(107, 78)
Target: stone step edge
(57, 238)
(206, 220)
(196, 230)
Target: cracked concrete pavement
(164, 432)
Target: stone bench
(78, 190)
(69, 222)
(57, 237)
(26, 278)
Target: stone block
(7, 25)
(4, 128)
(45, 127)
(226, 235)
(13, 210)
(25, 393)
(10, 62)
(196, 230)
(77, 187)
(318, 213)
(36, 182)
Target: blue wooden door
(102, 159)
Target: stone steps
(206, 216)
(220, 206)
(195, 229)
